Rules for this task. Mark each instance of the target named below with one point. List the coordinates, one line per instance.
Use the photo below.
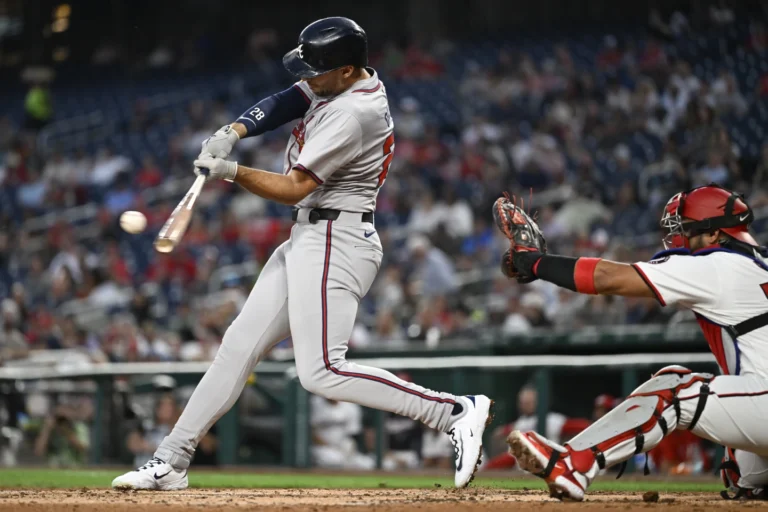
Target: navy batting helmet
(326, 45)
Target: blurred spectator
(419, 63)
(603, 405)
(60, 171)
(557, 425)
(675, 100)
(679, 453)
(389, 291)
(527, 419)
(12, 342)
(410, 122)
(437, 450)
(758, 37)
(143, 441)
(721, 14)
(653, 58)
(161, 57)
(107, 166)
(714, 171)
(66, 258)
(683, 77)
(628, 216)
(604, 310)
(610, 56)
(579, 213)
(387, 330)
(617, 96)
(426, 215)
(624, 174)
(120, 196)
(402, 439)
(64, 438)
(335, 429)
(433, 273)
(457, 217)
(527, 315)
(149, 175)
(661, 179)
(727, 97)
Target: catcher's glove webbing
(524, 237)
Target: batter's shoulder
(361, 105)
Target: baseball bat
(178, 222)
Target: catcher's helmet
(704, 209)
(328, 44)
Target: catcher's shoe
(155, 475)
(731, 475)
(467, 436)
(554, 463)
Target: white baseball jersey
(345, 143)
(723, 288)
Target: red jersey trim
(650, 284)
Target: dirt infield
(320, 500)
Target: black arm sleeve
(555, 269)
(274, 111)
(558, 270)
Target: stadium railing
(457, 372)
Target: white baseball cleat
(155, 475)
(467, 436)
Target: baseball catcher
(712, 265)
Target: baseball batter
(337, 158)
(712, 266)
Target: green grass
(62, 478)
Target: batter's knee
(317, 379)
(237, 346)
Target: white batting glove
(218, 168)
(220, 144)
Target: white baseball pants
(309, 289)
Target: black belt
(318, 214)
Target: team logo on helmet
(300, 51)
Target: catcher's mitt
(523, 233)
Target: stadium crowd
(602, 147)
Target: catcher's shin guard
(635, 426)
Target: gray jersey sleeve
(335, 140)
(305, 90)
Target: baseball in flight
(133, 222)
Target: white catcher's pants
(309, 289)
